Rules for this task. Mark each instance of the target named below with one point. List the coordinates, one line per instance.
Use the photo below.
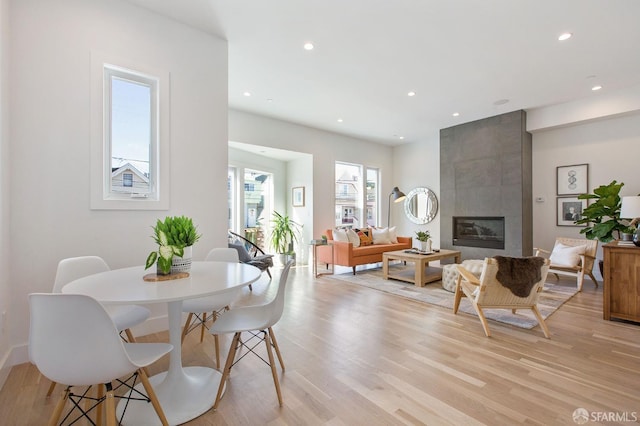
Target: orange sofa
(345, 254)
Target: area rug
(550, 299)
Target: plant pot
(425, 245)
(182, 264)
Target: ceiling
(477, 58)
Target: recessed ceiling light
(247, 93)
(411, 94)
(269, 100)
(308, 46)
(598, 87)
(564, 36)
(501, 101)
(400, 137)
(455, 114)
(339, 120)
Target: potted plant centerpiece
(424, 239)
(283, 235)
(175, 237)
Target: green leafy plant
(164, 254)
(423, 235)
(172, 235)
(602, 216)
(180, 231)
(284, 233)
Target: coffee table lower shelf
(422, 273)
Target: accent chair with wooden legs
(488, 291)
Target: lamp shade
(397, 195)
(630, 207)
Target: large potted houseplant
(284, 233)
(602, 217)
(175, 236)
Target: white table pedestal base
(182, 400)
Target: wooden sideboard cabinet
(621, 282)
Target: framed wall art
(569, 209)
(572, 180)
(297, 196)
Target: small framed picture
(569, 210)
(297, 196)
(572, 180)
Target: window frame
(102, 197)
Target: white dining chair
(73, 340)
(258, 321)
(198, 309)
(124, 316)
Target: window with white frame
(129, 137)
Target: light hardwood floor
(356, 356)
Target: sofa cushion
(374, 249)
(353, 238)
(340, 235)
(365, 237)
(393, 235)
(381, 236)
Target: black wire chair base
(260, 335)
(76, 412)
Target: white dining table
(184, 392)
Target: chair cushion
(563, 255)
(243, 254)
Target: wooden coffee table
(423, 273)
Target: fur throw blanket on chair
(519, 274)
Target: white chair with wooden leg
(487, 292)
(73, 340)
(198, 309)
(124, 317)
(256, 320)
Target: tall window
(349, 195)
(372, 196)
(129, 135)
(231, 197)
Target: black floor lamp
(397, 196)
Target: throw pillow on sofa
(353, 238)
(340, 235)
(393, 235)
(381, 236)
(365, 236)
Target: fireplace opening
(477, 231)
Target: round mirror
(421, 205)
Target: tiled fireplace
(485, 173)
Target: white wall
(609, 146)
(417, 165)
(5, 290)
(300, 173)
(50, 136)
(325, 147)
